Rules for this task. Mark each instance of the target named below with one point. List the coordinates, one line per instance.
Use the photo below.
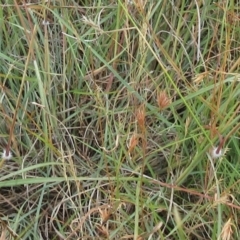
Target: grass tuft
(120, 120)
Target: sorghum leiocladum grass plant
(111, 109)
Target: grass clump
(111, 110)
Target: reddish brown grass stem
(11, 130)
(221, 143)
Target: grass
(111, 109)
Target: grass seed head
(140, 116)
(227, 231)
(133, 142)
(105, 215)
(163, 100)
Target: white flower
(216, 152)
(6, 156)
(45, 23)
